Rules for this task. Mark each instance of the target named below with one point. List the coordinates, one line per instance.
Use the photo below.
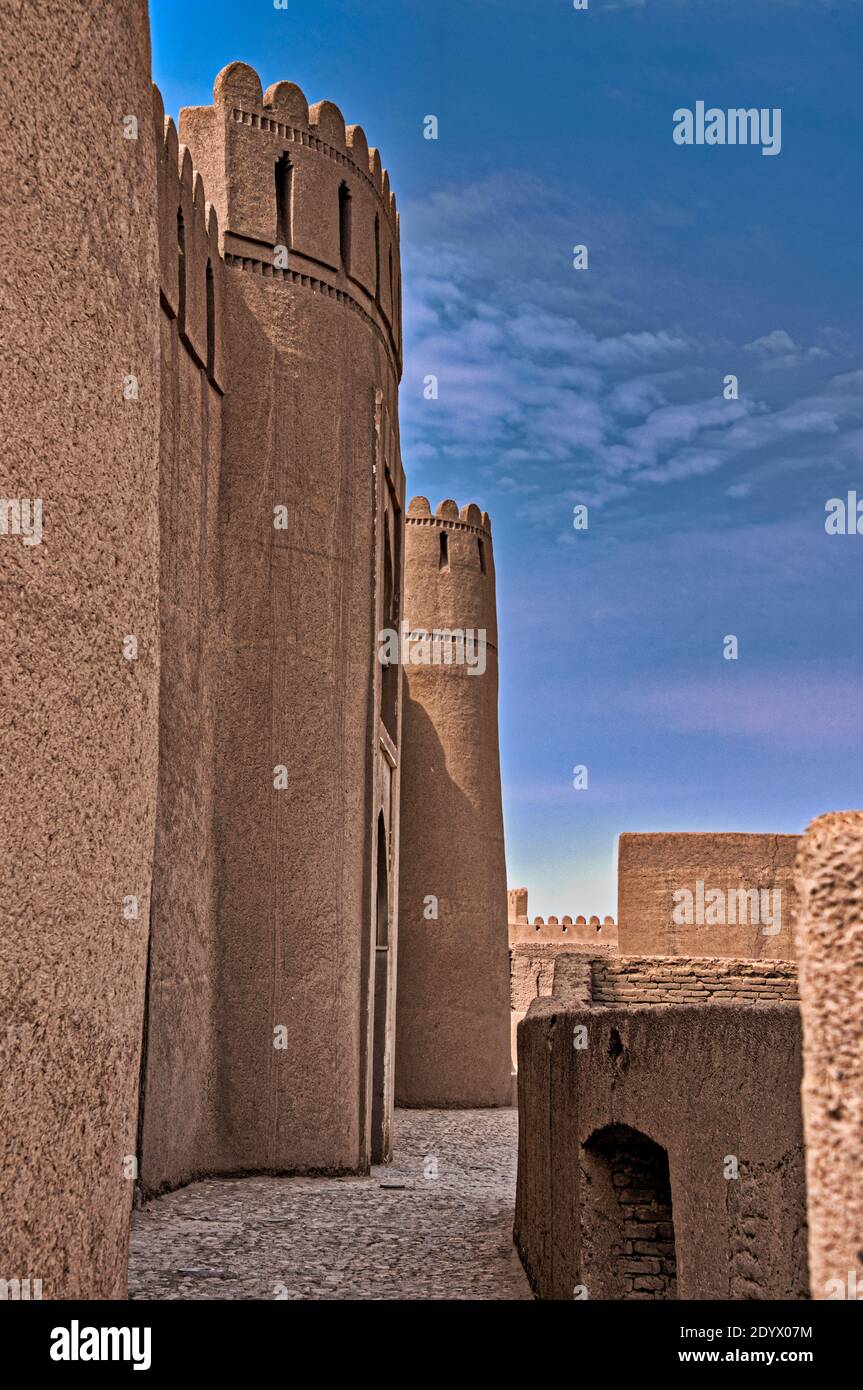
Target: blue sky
(605, 386)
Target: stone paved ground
(398, 1234)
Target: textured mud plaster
(78, 303)
(830, 949)
(180, 1070)
(299, 962)
(703, 1084)
(452, 1019)
(531, 974)
(652, 868)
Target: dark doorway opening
(626, 1218)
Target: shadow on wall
(201, 997)
(452, 1003)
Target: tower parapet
(293, 183)
(452, 564)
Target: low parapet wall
(679, 979)
(532, 972)
(660, 1145)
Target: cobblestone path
(436, 1223)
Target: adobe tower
(307, 564)
(452, 1019)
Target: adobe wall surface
(605, 1093)
(179, 1137)
(534, 947)
(79, 304)
(312, 354)
(830, 950)
(532, 970)
(653, 867)
(453, 978)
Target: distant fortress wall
(706, 894)
(534, 948)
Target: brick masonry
(629, 1226)
(678, 980)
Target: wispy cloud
(572, 377)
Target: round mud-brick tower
(452, 1019)
(311, 506)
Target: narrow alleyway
(436, 1223)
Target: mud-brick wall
(717, 1088)
(653, 868)
(79, 643)
(679, 980)
(531, 975)
(830, 946)
(180, 1076)
(312, 355)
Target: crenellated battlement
(351, 149)
(301, 195)
(566, 922)
(470, 518)
(450, 567)
(190, 261)
(580, 930)
(577, 931)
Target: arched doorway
(625, 1216)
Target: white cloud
(560, 378)
(773, 343)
